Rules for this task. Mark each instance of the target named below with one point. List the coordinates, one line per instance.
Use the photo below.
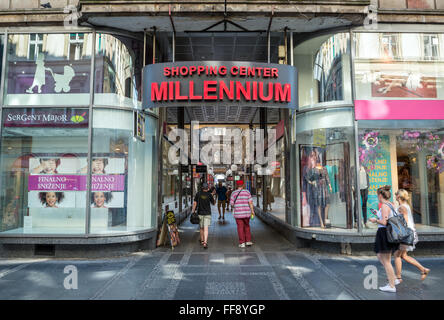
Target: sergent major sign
(200, 83)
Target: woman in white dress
(402, 197)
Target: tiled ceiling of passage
(231, 46)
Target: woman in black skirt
(383, 248)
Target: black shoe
(205, 245)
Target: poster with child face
(61, 181)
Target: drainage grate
(44, 250)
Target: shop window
(389, 46)
(406, 155)
(323, 65)
(35, 46)
(43, 189)
(123, 170)
(431, 47)
(43, 69)
(398, 66)
(118, 69)
(325, 155)
(76, 41)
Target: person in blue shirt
(221, 192)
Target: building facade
(84, 165)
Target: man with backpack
(243, 210)
(202, 202)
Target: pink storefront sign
(399, 109)
(75, 183)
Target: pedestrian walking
(221, 192)
(229, 192)
(383, 248)
(270, 198)
(202, 202)
(242, 204)
(402, 196)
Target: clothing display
(332, 174)
(317, 184)
(364, 183)
(364, 198)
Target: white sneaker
(387, 288)
(242, 245)
(397, 282)
(249, 243)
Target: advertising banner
(60, 181)
(375, 157)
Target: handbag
(194, 218)
(397, 229)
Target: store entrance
(253, 147)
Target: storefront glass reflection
(323, 65)
(45, 69)
(123, 167)
(42, 180)
(399, 66)
(406, 155)
(118, 69)
(325, 150)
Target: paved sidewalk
(271, 269)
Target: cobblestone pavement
(271, 269)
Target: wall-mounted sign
(42, 117)
(200, 83)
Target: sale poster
(60, 181)
(374, 152)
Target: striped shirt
(241, 208)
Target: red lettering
(192, 96)
(171, 90)
(259, 69)
(229, 92)
(282, 95)
(223, 70)
(234, 70)
(192, 70)
(254, 90)
(157, 93)
(274, 73)
(175, 71)
(200, 69)
(243, 71)
(213, 71)
(177, 92)
(245, 92)
(208, 89)
(251, 71)
(184, 71)
(166, 71)
(266, 72)
(261, 91)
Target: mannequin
(364, 183)
(318, 181)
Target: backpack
(397, 229)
